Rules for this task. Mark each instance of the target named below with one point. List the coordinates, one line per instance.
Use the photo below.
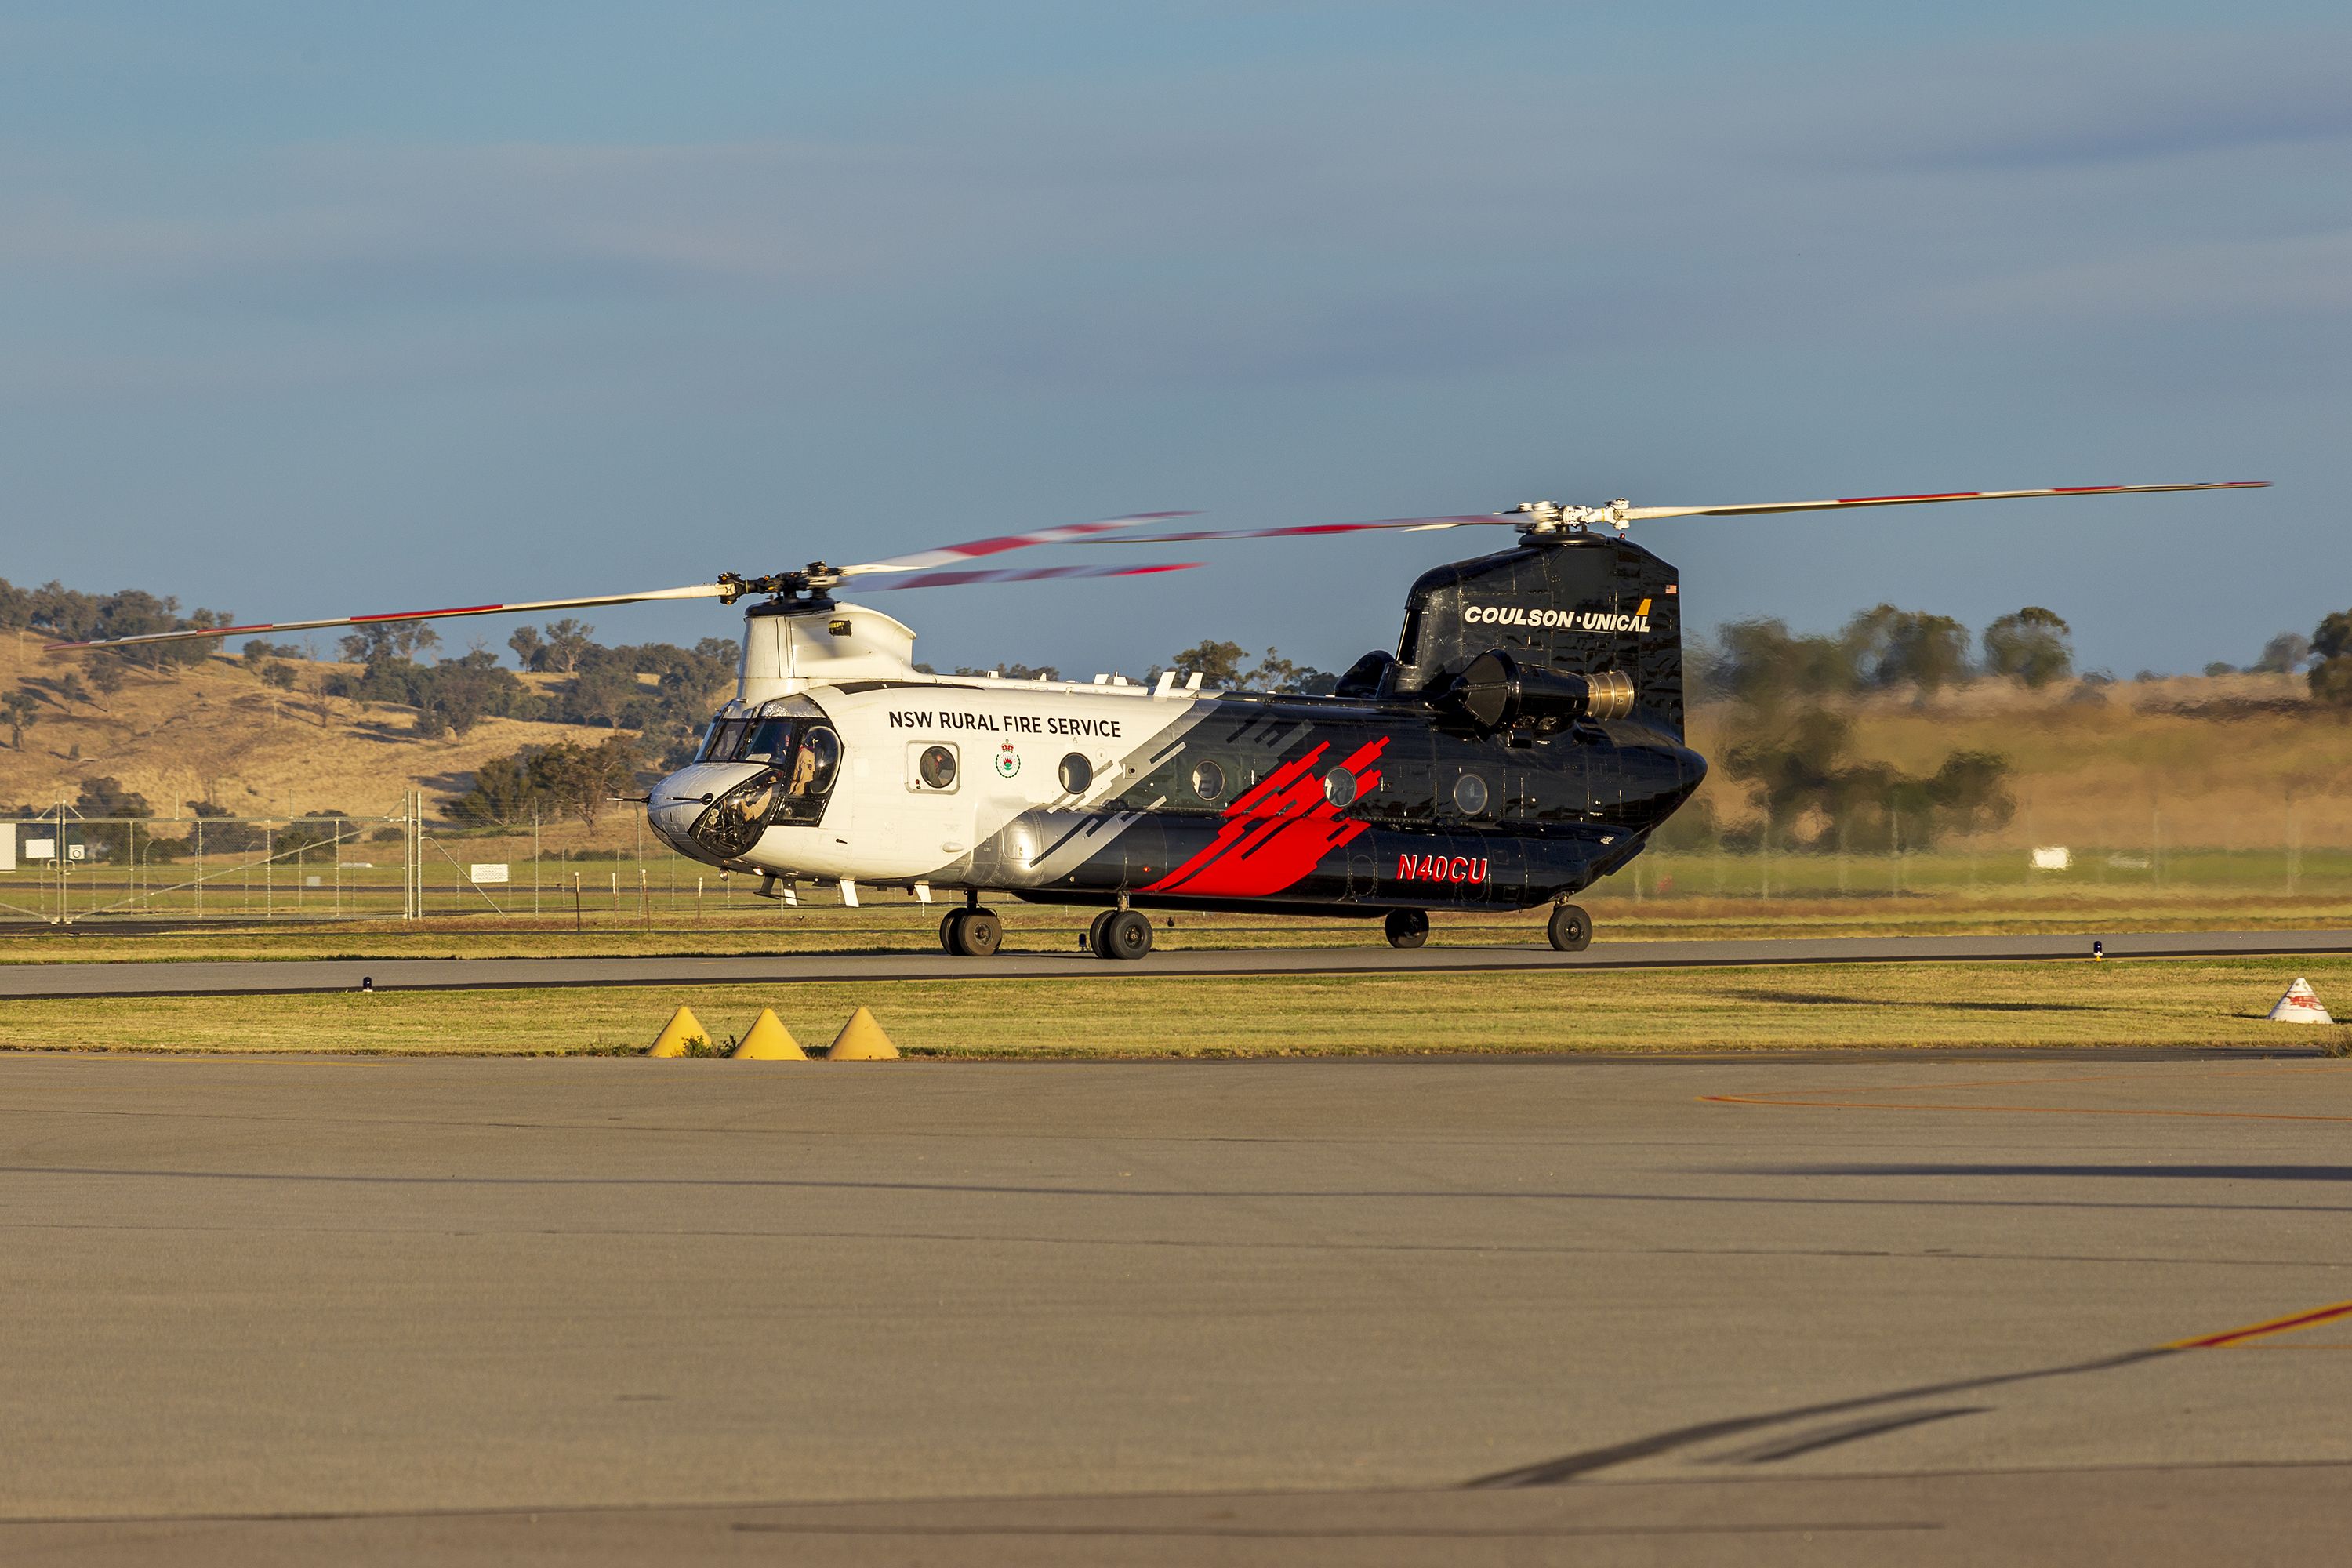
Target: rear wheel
(978, 932)
(1126, 934)
(1571, 929)
(947, 930)
(1408, 928)
(1095, 941)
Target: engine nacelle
(1497, 691)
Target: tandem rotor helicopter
(1522, 741)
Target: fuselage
(1163, 796)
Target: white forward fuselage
(935, 775)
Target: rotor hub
(1549, 518)
(810, 582)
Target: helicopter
(1522, 740)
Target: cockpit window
(767, 740)
(723, 741)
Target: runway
(262, 976)
(1857, 1309)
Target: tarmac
(1923, 1308)
(269, 976)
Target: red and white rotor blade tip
(1408, 524)
(1642, 513)
(693, 591)
(974, 550)
(958, 579)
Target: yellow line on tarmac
(1785, 1102)
(2229, 1337)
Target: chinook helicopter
(1523, 741)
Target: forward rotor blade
(697, 591)
(1032, 574)
(950, 554)
(1642, 513)
(1409, 524)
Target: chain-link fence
(64, 867)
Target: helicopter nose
(674, 804)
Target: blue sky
(312, 309)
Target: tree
(1759, 663)
(1888, 647)
(580, 779)
(106, 673)
(2030, 646)
(2284, 654)
(1219, 663)
(388, 640)
(277, 675)
(567, 642)
(528, 646)
(21, 709)
(103, 799)
(456, 694)
(1275, 673)
(1812, 797)
(2331, 667)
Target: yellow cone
(768, 1041)
(683, 1025)
(862, 1040)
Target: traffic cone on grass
(768, 1041)
(2300, 1006)
(683, 1025)
(862, 1040)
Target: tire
(1095, 943)
(1127, 934)
(1571, 929)
(1408, 928)
(978, 933)
(947, 930)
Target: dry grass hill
(216, 732)
(2229, 761)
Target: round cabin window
(1209, 782)
(1339, 788)
(937, 767)
(1470, 795)
(1076, 773)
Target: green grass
(2117, 1003)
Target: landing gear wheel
(1408, 928)
(947, 930)
(1095, 941)
(977, 932)
(1126, 934)
(1571, 929)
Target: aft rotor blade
(695, 590)
(1409, 524)
(1642, 513)
(950, 554)
(1030, 574)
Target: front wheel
(1408, 928)
(1571, 929)
(1126, 934)
(948, 923)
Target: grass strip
(2119, 1004)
